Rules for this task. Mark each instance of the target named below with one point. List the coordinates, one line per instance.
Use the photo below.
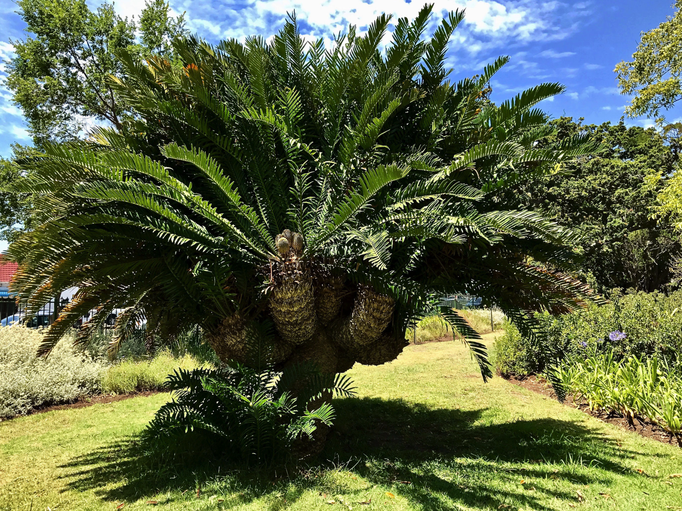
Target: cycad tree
(330, 192)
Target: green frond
(478, 349)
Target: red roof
(7, 270)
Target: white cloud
(551, 54)
(6, 53)
(15, 130)
(19, 132)
(9, 109)
(606, 108)
(202, 26)
(125, 8)
(601, 90)
(573, 95)
(593, 67)
(6, 50)
(6, 104)
(488, 23)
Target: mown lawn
(425, 433)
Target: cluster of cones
(312, 323)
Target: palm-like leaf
(394, 178)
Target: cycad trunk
(318, 318)
(312, 326)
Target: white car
(10, 320)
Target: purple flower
(617, 335)
(583, 344)
(600, 341)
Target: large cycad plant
(330, 191)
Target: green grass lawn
(425, 433)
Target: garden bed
(644, 427)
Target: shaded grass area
(425, 433)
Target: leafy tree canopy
(609, 199)
(60, 76)
(653, 76)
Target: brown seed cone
(292, 306)
(372, 313)
(282, 246)
(282, 351)
(345, 362)
(328, 300)
(386, 349)
(297, 243)
(228, 339)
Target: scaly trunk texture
(318, 318)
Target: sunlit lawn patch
(425, 433)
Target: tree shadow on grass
(427, 454)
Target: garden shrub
(633, 324)
(27, 382)
(513, 354)
(253, 415)
(140, 375)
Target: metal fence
(11, 313)
(461, 301)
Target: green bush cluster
(27, 382)
(254, 415)
(651, 322)
(142, 375)
(633, 387)
(515, 355)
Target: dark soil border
(84, 402)
(644, 428)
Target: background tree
(318, 196)
(14, 207)
(609, 199)
(653, 76)
(60, 74)
(60, 77)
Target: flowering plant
(617, 335)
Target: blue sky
(574, 42)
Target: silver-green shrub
(27, 382)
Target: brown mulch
(87, 401)
(644, 427)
